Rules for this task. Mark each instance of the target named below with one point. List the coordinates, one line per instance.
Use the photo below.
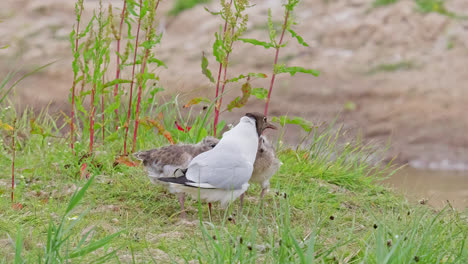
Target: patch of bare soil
(390, 72)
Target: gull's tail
(179, 177)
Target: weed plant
(325, 206)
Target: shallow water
(434, 185)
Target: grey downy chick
(265, 166)
(164, 161)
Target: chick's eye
(264, 119)
(213, 145)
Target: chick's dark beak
(269, 125)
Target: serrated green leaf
(158, 62)
(293, 70)
(291, 4)
(112, 107)
(260, 93)
(72, 39)
(148, 44)
(88, 27)
(219, 50)
(255, 42)
(271, 28)
(80, 107)
(239, 102)
(75, 67)
(205, 70)
(146, 76)
(299, 38)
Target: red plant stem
(117, 75)
(218, 104)
(224, 81)
(91, 121)
(127, 123)
(103, 119)
(276, 61)
(73, 89)
(137, 114)
(215, 124)
(13, 163)
(143, 65)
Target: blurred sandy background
(388, 72)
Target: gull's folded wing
(218, 169)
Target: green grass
(392, 67)
(182, 5)
(325, 204)
(378, 3)
(425, 6)
(437, 6)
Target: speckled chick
(162, 162)
(266, 164)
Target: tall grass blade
(18, 246)
(24, 77)
(78, 195)
(93, 246)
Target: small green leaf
(211, 12)
(255, 42)
(250, 74)
(350, 106)
(219, 50)
(299, 38)
(283, 120)
(197, 100)
(205, 70)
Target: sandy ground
(421, 108)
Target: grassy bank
(325, 205)
(78, 196)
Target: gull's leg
(209, 207)
(181, 197)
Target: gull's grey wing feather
(222, 170)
